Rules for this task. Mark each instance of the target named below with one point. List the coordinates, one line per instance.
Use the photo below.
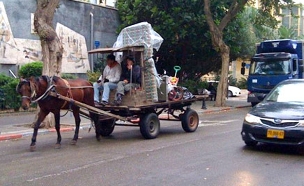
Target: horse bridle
(33, 91)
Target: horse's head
(26, 89)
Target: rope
(43, 95)
(65, 113)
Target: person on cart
(107, 81)
(130, 79)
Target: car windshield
(270, 67)
(287, 93)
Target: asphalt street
(213, 155)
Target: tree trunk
(222, 87)
(216, 31)
(50, 43)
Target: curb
(21, 134)
(222, 109)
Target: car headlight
(301, 123)
(251, 119)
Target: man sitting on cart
(126, 83)
(108, 80)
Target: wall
(236, 69)
(72, 21)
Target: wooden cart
(138, 110)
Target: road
(213, 155)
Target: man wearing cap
(127, 82)
(107, 81)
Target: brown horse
(38, 89)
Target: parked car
(232, 90)
(279, 118)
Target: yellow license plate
(279, 134)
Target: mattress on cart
(142, 34)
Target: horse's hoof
(57, 146)
(33, 148)
(98, 138)
(73, 142)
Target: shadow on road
(276, 149)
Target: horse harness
(51, 88)
(69, 92)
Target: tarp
(137, 35)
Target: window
(270, 67)
(287, 93)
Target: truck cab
(275, 61)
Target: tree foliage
(203, 36)
(218, 24)
(187, 39)
(183, 27)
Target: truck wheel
(251, 143)
(106, 127)
(149, 126)
(253, 104)
(190, 120)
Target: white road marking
(205, 123)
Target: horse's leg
(77, 123)
(57, 126)
(41, 117)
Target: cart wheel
(190, 120)
(106, 127)
(149, 126)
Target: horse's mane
(20, 85)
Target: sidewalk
(15, 126)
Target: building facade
(79, 25)
(294, 19)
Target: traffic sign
(97, 44)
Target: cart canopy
(120, 49)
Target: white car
(233, 91)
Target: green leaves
(31, 69)
(187, 39)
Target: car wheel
(230, 93)
(251, 143)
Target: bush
(11, 97)
(4, 79)
(93, 76)
(31, 69)
(202, 85)
(69, 76)
(242, 83)
(191, 85)
(232, 81)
